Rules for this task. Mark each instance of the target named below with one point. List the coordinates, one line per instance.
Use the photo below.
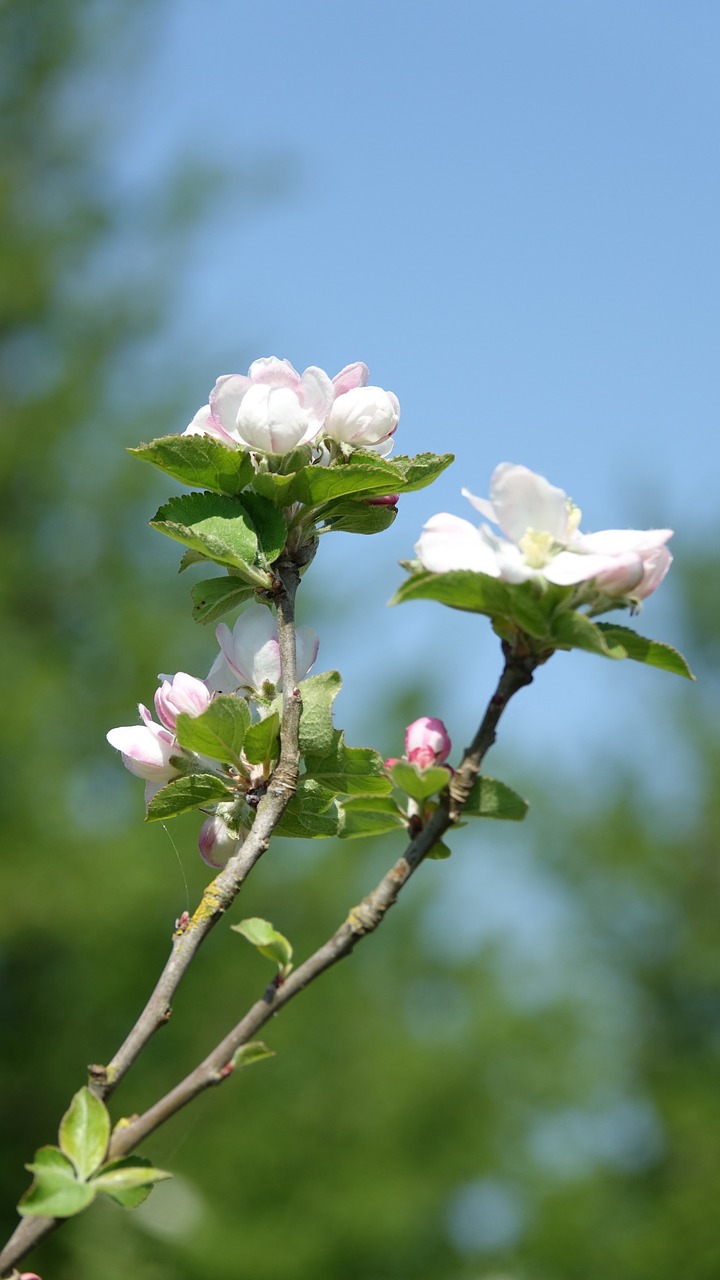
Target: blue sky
(510, 211)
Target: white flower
(363, 417)
(249, 655)
(146, 750)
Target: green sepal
(199, 461)
(358, 517)
(492, 799)
(213, 597)
(652, 652)
(369, 816)
(317, 734)
(261, 740)
(417, 783)
(219, 731)
(224, 529)
(55, 1191)
(527, 605)
(439, 851)
(271, 944)
(182, 794)
(248, 1054)
(85, 1132)
(348, 770)
(312, 814)
(128, 1182)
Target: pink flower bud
(182, 693)
(216, 842)
(427, 742)
(363, 416)
(390, 500)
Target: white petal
(448, 543)
(523, 500)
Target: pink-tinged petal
(427, 741)
(353, 375)
(271, 419)
(221, 678)
(183, 693)
(217, 843)
(316, 395)
(363, 416)
(226, 398)
(523, 500)
(204, 424)
(146, 750)
(447, 543)
(655, 567)
(390, 500)
(567, 568)
(615, 541)
(271, 371)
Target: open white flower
(249, 657)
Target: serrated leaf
(250, 1053)
(492, 799)
(420, 471)
(316, 485)
(190, 557)
(217, 526)
(358, 517)
(418, 783)
(214, 597)
(219, 732)
(85, 1132)
(312, 814)
(128, 1181)
(269, 942)
(269, 524)
(261, 739)
(182, 794)
(369, 816)
(652, 652)
(275, 488)
(348, 770)
(316, 726)
(573, 630)
(521, 603)
(55, 1191)
(199, 460)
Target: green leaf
(190, 557)
(492, 799)
(261, 739)
(248, 1054)
(269, 523)
(315, 485)
(128, 1181)
(199, 460)
(219, 527)
(275, 488)
(369, 816)
(652, 652)
(316, 726)
(214, 597)
(420, 784)
(268, 941)
(420, 471)
(439, 851)
(312, 814)
(85, 1132)
(523, 604)
(55, 1190)
(574, 630)
(219, 731)
(191, 792)
(348, 770)
(358, 517)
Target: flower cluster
(542, 539)
(274, 409)
(248, 666)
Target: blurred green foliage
(534, 1098)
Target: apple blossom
(146, 750)
(249, 655)
(363, 417)
(216, 842)
(542, 540)
(181, 693)
(427, 742)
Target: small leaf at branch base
(268, 941)
(219, 731)
(85, 1132)
(250, 1053)
(420, 784)
(199, 461)
(439, 851)
(492, 799)
(128, 1181)
(369, 816)
(358, 517)
(652, 652)
(183, 794)
(214, 597)
(55, 1191)
(262, 739)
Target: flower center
(538, 548)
